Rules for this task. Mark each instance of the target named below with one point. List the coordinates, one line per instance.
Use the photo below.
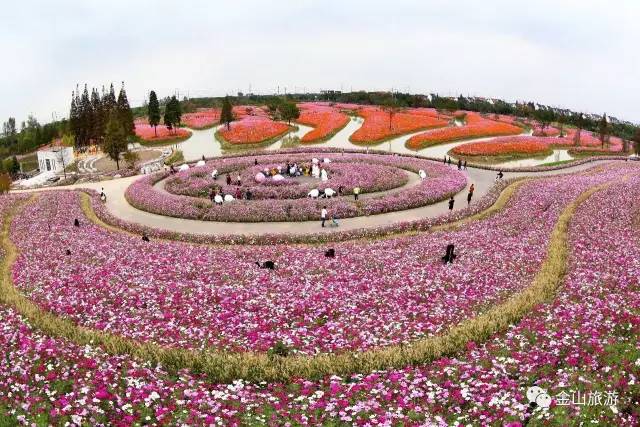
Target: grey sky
(577, 54)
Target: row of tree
(89, 115)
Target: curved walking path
(119, 207)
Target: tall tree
(170, 114)
(9, 127)
(603, 129)
(109, 102)
(74, 116)
(177, 109)
(289, 111)
(579, 121)
(124, 113)
(97, 130)
(391, 106)
(226, 115)
(153, 111)
(85, 118)
(561, 120)
(115, 138)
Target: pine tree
(109, 102)
(170, 114)
(115, 138)
(177, 111)
(226, 115)
(73, 115)
(86, 118)
(97, 119)
(124, 113)
(153, 111)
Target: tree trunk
(155, 130)
(118, 163)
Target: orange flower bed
(252, 130)
(376, 126)
(325, 121)
(504, 146)
(476, 127)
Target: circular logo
(533, 392)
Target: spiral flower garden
(288, 201)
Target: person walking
(469, 196)
(356, 193)
(228, 179)
(323, 215)
(500, 175)
(449, 161)
(445, 159)
(459, 164)
(465, 165)
(451, 202)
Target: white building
(54, 157)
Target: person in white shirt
(356, 193)
(323, 215)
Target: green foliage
(172, 113)
(115, 139)
(153, 110)
(603, 129)
(289, 111)
(175, 157)
(226, 115)
(131, 158)
(124, 113)
(279, 349)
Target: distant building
(54, 157)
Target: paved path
(117, 204)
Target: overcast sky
(578, 54)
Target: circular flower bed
(370, 172)
(198, 182)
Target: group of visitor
(461, 165)
(218, 196)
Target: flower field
(376, 293)
(518, 145)
(475, 127)
(548, 131)
(252, 130)
(442, 183)
(326, 121)
(379, 126)
(147, 133)
(201, 119)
